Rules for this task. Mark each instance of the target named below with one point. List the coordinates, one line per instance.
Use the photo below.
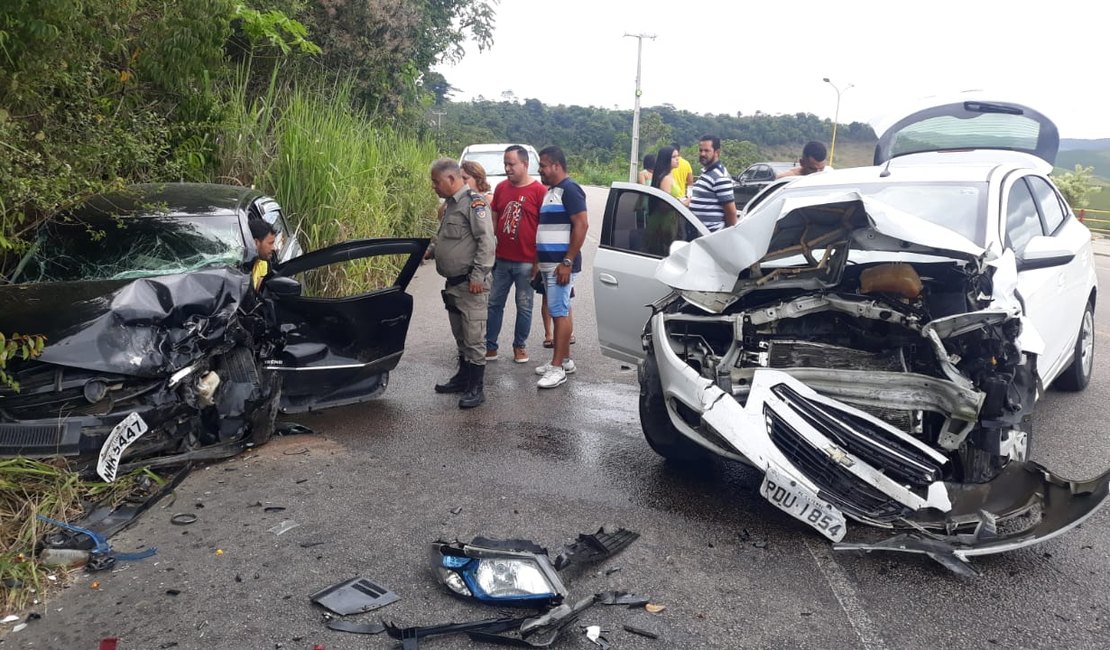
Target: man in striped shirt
(559, 238)
(712, 200)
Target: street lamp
(836, 117)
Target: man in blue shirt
(559, 238)
(712, 200)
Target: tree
(388, 44)
(1077, 186)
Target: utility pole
(634, 159)
(439, 119)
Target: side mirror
(1043, 252)
(676, 246)
(283, 287)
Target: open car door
(639, 226)
(339, 350)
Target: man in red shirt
(516, 212)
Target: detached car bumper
(871, 473)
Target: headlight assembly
(509, 572)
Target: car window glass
(747, 175)
(764, 173)
(645, 224)
(1022, 221)
(111, 247)
(1048, 201)
(353, 277)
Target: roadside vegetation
(287, 96)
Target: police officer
(464, 251)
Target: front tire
(660, 434)
(1076, 377)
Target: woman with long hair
(661, 176)
(474, 175)
(662, 225)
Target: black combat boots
(459, 381)
(475, 387)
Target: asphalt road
(377, 482)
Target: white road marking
(866, 629)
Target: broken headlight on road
(508, 572)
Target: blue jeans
(506, 274)
(558, 295)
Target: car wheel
(660, 434)
(1078, 374)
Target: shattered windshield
(959, 207)
(125, 248)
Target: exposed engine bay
(898, 394)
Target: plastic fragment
(95, 584)
(10, 618)
(284, 527)
(219, 551)
(654, 609)
(19, 627)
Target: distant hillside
(847, 153)
(1067, 144)
(1099, 159)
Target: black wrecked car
(756, 177)
(159, 348)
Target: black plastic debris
(183, 519)
(356, 628)
(595, 547)
(354, 596)
(291, 429)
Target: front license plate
(123, 434)
(802, 504)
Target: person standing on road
(648, 168)
(712, 200)
(516, 213)
(463, 249)
(663, 175)
(559, 240)
(811, 162)
(474, 175)
(684, 173)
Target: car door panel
(639, 225)
(340, 350)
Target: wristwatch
(567, 262)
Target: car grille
(836, 485)
(876, 446)
(47, 391)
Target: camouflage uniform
(464, 252)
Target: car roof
(170, 199)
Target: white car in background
(874, 339)
(491, 158)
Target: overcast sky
(771, 55)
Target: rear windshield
(124, 248)
(494, 162)
(960, 207)
(984, 131)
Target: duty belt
(457, 279)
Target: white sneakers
(554, 375)
(568, 366)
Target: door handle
(605, 278)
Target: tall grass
(337, 172)
(52, 489)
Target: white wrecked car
(873, 340)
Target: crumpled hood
(713, 263)
(145, 327)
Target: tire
(660, 434)
(1076, 377)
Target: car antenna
(886, 169)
